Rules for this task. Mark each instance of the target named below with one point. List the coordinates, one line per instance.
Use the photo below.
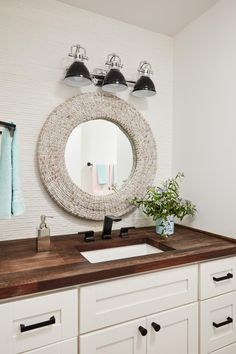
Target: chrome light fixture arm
(145, 68)
(78, 52)
(113, 61)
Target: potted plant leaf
(164, 204)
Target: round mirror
(99, 157)
(92, 128)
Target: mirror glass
(98, 157)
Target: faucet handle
(88, 235)
(124, 231)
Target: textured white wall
(35, 37)
(204, 129)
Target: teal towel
(18, 205)
(5, 175)
(11, 199)
(102, 174)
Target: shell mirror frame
(104, 182)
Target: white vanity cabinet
(183, 310)
(145, 314)
(177, 302)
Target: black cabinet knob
(143, 331)
(156, 326)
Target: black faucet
(107, 226)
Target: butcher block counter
(24, 271)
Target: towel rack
(10, 126)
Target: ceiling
(162, 16)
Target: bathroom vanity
(180, 300)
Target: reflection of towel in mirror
(101, 185)
(11, 199)
(102, 174)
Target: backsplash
(33, 55)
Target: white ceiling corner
(161, 16)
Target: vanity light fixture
(110, 79)
(114, 81)
(144, 87)
(78, 74)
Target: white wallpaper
(35, 38)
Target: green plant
(164, 201)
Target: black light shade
(114, 81)
(78, 75)
(144, 87)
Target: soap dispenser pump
(43, 233)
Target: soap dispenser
(43, 233)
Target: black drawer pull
(228, 276)
(228, 321)
(24, 328)
(156, 326)
(143, 331)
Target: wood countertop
(24, 271)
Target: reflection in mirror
(98, 157)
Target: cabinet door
(174, 331)
(122, 339)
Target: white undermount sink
(110, 254)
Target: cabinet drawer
(120, 300)
(217, 277)
(39, 321)
(217, 322)
(230, 349)
(69, 346)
